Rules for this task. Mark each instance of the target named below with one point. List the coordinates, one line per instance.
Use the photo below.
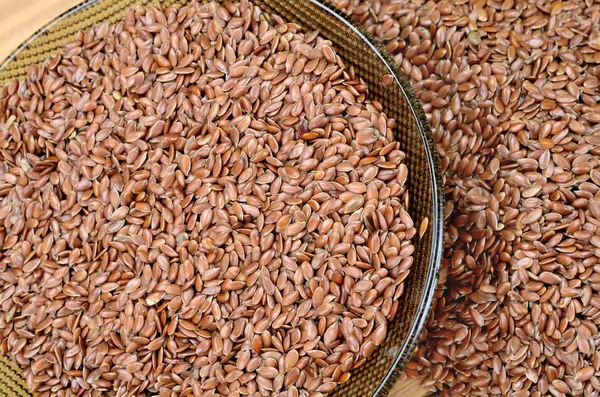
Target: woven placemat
(371, 62)
(12, 383)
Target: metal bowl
(371, 62)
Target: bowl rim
(437, 238)
(425, 305)
(41, 31)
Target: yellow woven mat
(12, 383)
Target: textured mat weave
(12, 383)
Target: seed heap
(511, 89)
(197, 201)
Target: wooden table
(19, 19)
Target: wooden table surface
(19, 19)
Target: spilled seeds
(511, 89)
